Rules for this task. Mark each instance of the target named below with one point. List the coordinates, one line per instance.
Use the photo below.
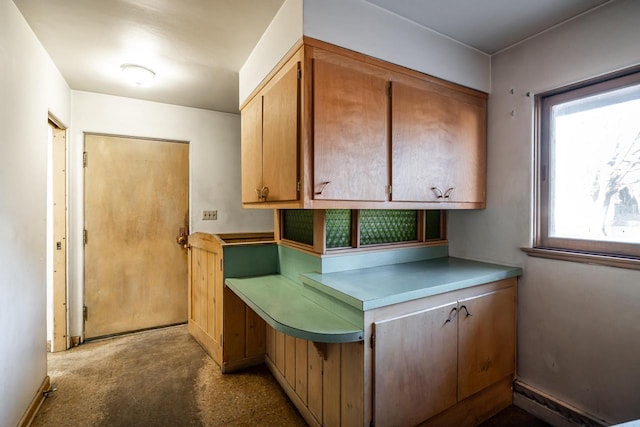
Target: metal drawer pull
(262, 193)
(437, 191)
(464, 307)
(447, 194)
(452, 315)
(322, 187)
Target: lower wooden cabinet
(429, 360)
(442, 360)
(232, 334)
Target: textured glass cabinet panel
(297, 225)
(338, 228)
(388, 226)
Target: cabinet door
(415, 366)
(251, 150)
(487, 334)
(280, 112)
(350, 110)
(438, 144)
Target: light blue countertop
(370, 288)
(291, 308)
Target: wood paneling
(438, 144)
(136, 200)
(251, 150)
(332, 392)
(487, 334)
(314, 381)
(415, 366)
(301, 369)
(350, 131)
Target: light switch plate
(209, 215)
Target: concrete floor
(164, 378)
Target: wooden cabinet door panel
(487, 334)
(415, 366)
(251, 150)
(438, 145)
(350, 133)
(280, 112)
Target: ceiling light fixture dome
(137, 75)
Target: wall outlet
(209, 215)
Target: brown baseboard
(550, 409)
(35, 404)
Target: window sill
(585, 257)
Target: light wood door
(350, 134)
(415, 366)
(136, 201)
(487, 334)
(438, 144)
(280, 137)
(251, 150)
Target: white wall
(214, 163)
(283, 32)
(578, 324)
(30, 87)
(366, 28)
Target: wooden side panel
(301, 369)
(280, 136)
(352, 386)
(438, 144)
(251, 149)
(487, 333)
(255, 339)
(332, 393)
(415, 366)
(271, 343)
(350, 131)
(314, 381)
(218, 299)
(280, 352)
(290, 360)
(209, 302)
(234, 327)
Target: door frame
(59, 238)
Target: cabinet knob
(437, 191)
(467, 314)
(262, 193)
(322, 187)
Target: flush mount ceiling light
(137, 75)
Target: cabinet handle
(262, 193)
(452, 315)
(467, 314)
(447, 193)
(437, 191)
(322, 187)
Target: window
(589, 167)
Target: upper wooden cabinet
(331, 128)
(438, 144)
(350, 118)
(270, 140)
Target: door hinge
(372, 340)
(220, 264)
(84, 159)
(85, 237)
(387, 189)
(389, 90)
(299, 74)
(298, 187)
(85, 313)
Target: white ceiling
(196, 47)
